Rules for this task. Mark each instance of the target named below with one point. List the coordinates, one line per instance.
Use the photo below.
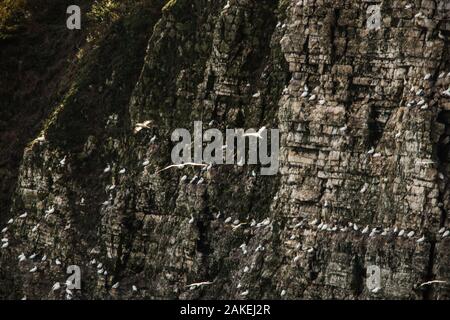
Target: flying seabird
(255, 134)
(199, 284)
(144, 125)
(432, 282)
(182, 165)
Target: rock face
(357, 211)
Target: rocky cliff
(362, 102)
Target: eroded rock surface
(364, 168)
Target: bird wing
(167, 168)
(431, 282)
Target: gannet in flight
(182, 165)
(255, 134)
(144, 125)
(431, 282)
(199, 284)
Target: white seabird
(144, 125)
(182, 165)
(255, 134)
(422, 239)
(56, 286)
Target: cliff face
(365, 132)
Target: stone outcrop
(364, 114)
